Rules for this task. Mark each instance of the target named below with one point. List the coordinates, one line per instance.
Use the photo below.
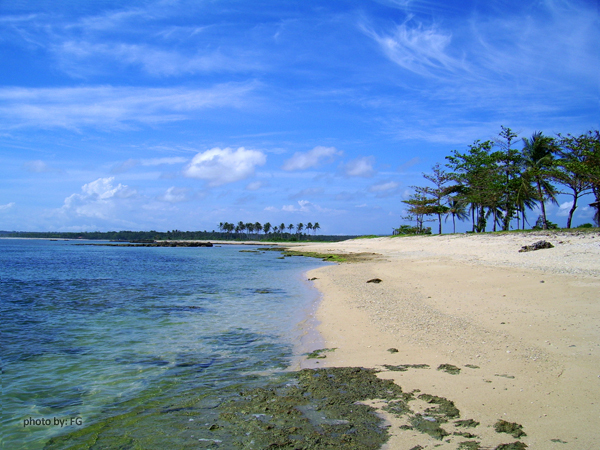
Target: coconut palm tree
(258, 227)
(267, 227)
(316, 227)
(457, 208)
(538, 161)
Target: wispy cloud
(174, 195)
(37, 166)
(7, 206)
(112, 107)
(359, 167)
(313, 158)
(81, 58)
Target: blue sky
(182, 114)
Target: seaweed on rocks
(444, 410)
(318, 354)
(512, 428)
(316, 408)
(405, 367)
(449, 368)
(428, 425)
(468, 423)
(512, 446)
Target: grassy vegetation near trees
(494, 182)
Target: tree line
(494, 181)
(277, 231)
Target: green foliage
(586, 225)
(539, 225)
(407, 230)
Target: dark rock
(539, 245)
(374, 280)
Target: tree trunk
(543, 205)
(572, 211)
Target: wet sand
(523, 328)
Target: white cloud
(360, 167)
(152, 60)
(112, 107)
(161, 161)
(37, 166)
(564, 208)
(417, 48)
(7, 206)
(254, 186)
(174, 195)
(97, 199)
(303, 207)
(221, 166)
(316, 156)
(408, 164)
(383, 187)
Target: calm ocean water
(91, 333)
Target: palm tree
(299, 229)
(309, 227)
(538, 161)
(250, 228)
(258, 227)
(457, 208)
(316, 227)
(267, 227)
(291, 227)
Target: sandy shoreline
(524, 329)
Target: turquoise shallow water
(91, 332)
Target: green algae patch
(443, 410)
(331, 257)
(469, 445)
(468, 423)
(513, 446)
(405, 367)
(512, 428)
(315, 408)
(428, 425)
(472, 366)
(449, 368)
(323, 256)
(318, 354)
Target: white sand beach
(524, 329)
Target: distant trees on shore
(492, 181)
(253, 230)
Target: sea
(113, 339)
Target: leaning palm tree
(538, 161)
